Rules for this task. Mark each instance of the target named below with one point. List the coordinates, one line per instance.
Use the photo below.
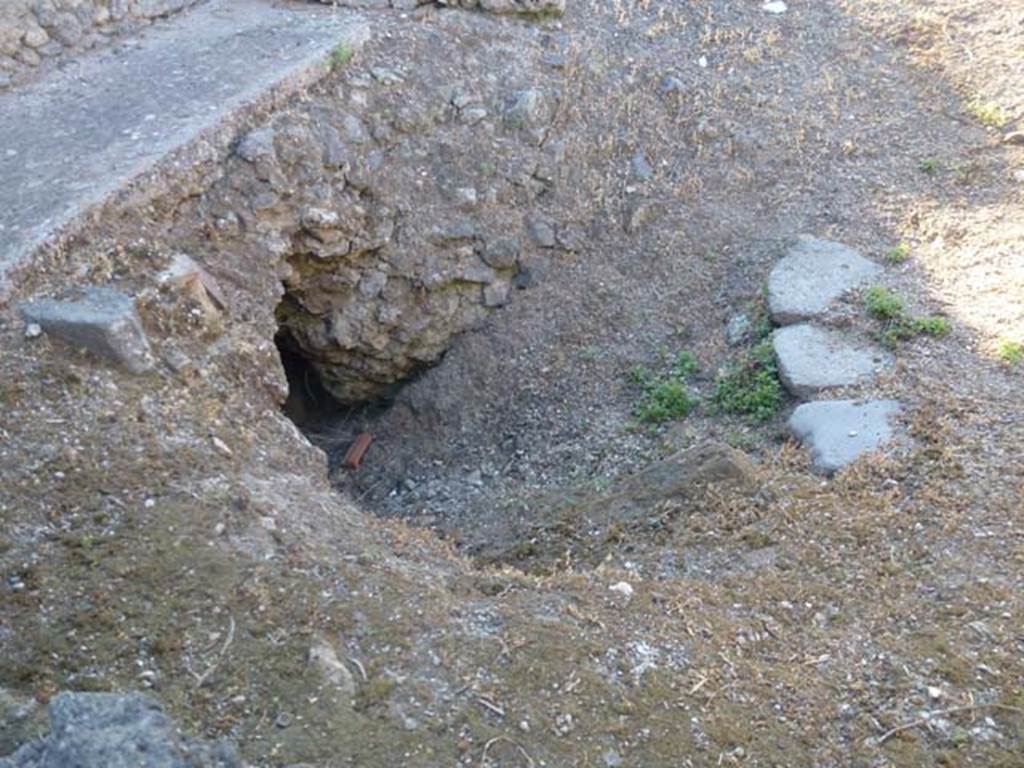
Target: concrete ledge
(115, 124)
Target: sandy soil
(176, 533)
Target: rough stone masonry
(32, 31)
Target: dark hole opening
(309, 404)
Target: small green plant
(684, 366)
(666, 401)
(988, 114)
(883, 303)
(640, 376)
(894, 333)
(1011, 352)
(740, 440)
(931, 326)
(665, 398)
(929, 166)
(751, 387)
(341, 55)
(761, 325)
(898, 254)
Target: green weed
(988, 114)
(667, 401)
(741, 441)
(931, 326)
(1011, 352)
(929, 166)
(665, 398)
(751, 386)
(341, 55)
(898, 254)
(883, 303)
(684, 366)
(640, 376)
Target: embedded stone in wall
(102, 320)
(32, 31)
(511, 7)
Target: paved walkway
(69, 142)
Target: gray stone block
(103, 321)
(107, 730)
(812, 275)
(838, 432)
(812, 359)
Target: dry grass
(801, 623)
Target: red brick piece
(355, 454)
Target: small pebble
(221, 446)
(623, 588)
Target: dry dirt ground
(175, 532)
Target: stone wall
(399, 205)
(33, 31)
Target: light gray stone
(257, 146)
(527, 108)
(502, 253)
(838, 432)
(737, 330)
(36, 36)
(812, 359)
(496, 294)
(355, 130)
(336, 154)
(67, 29)
(542, 232)
(812, 275)
(671, 85)
(104, 321)
(324, 658)
(640, 167)
(107, 730)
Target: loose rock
(641, 168)
(812, 275)
(542, 232)
(737, 330)
(812, 359)
(103, 321)
(686, 472)
(323, 656)
(108, 730)
(838, 432)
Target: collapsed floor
(545, 205)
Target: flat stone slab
(103, 321)
(109, 730)
(812, 358)
(812, 275)
(71, 141)
(838, 432)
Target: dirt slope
(175, 531)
